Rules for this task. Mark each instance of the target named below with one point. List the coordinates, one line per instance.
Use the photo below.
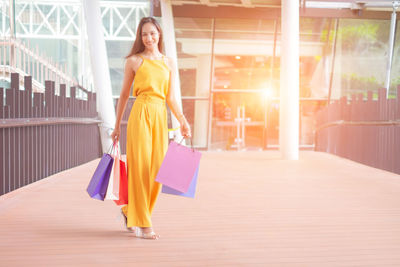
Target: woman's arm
(129, 75)
(173, 105)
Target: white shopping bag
(113, 184)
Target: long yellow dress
(147, 140)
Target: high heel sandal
(131, 229)
(139, 233)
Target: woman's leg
(160, 146)
(139, 151)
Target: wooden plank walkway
(251, 209)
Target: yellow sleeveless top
(152, 79)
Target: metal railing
(44, 133)
(15, 56)
(363, 130)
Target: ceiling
(338, 4)
(271, 9)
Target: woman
(147, 129)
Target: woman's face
(150, 36)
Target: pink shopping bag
(191, 191)
(178, 167)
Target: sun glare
(267, 93)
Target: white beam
(100, 69)
(170, 50)
(247, 3)
(289, 91)
(392, 36)
(205, 2)
(197, 46)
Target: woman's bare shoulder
(134, 62)
(170, 62)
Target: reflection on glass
(395, 79)
(247, 75)
(361, 57)
(193, 42)
(244, 80)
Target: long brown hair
(138, 46)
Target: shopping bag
(113, 183)
(97, 187)
(178, 167)
(123, 185)
(191, 191)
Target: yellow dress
(147, 140)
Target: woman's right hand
(115, 134)
(185, 129)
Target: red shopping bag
(123, 185)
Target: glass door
(243, 83)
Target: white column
(100, 70)
(12, 19)
(12, 33)
(201, 107)
(392, 36)
(168, 28)
(289, 93)
(336, 90)
(81, 50)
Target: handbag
(97, 187)
(179, 167)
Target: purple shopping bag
(178, 167)
(191, 191)
(97, 187)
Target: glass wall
(338, 57)
(52, 32)
(229, 68)
(57, 31)
(242, 59)
(361, 57)
(316, 49)
(395, 74)
(194, 49)
(120, 21)
(116, 52)
(243, 81)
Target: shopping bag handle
(115, 150)
(114, 146)
(191, 142)
(110, 149)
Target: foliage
(356, 83)
(353, 81)
(365, 31)
(359, 35)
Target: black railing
(44, 133)
(366, 131)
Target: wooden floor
(251, 209)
